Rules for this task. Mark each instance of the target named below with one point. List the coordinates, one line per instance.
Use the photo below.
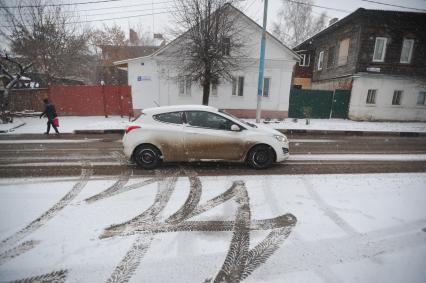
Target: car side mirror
(235, 128)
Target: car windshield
(240, 120)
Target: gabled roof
(354, 17)
(159, 51)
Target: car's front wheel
(147, 156)
(260, 157)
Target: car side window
(208, 120)
(171, 117)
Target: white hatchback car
(201, 133)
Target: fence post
(332, 103)
(104, 100)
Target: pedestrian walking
(50, 113)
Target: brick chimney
(133, 37)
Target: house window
(181, 84)
(371, 96)
(331, 56)
(226, 46)
(214, 88)
(184, 85)
(396, 100)
(343, 52)
(407, 50)
(421, 98)
(304, 60)
(266, 86)
(380, 49)
(240, 86)
(320, 60)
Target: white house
(151, 77)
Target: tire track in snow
(128, 265)
(339, 221)
(53, 277)
(17, 251)
(213, 226)
(191, 202)
(240, 262)
(116, 188)
(49, 214)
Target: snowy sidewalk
(100, 124)
(331, 125)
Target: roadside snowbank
(347, 125)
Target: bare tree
(113, 35)
(12, 76)
(47, 35)
(296, 22)
(144, 34)
(210, 44)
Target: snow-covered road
(306, 228)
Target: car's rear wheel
(261, 157)
(147, 156)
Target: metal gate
(321, 104)
(340, 105)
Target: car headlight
(281, 138)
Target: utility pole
(262, 62)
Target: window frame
(213, 89)
(184, 86)
(382, 59)
(397, 97)
(155, 117)
(186, 121)
(240, 87)
(320, 64)
(269, 87)
(226, 46)
(423, 93)
(410, 54)
(340, 61)
(305, 58)
(371, 97)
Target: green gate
(322, 104)
(340, 106)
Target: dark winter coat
(49, 111)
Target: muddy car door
(170, 136)
(208, 136)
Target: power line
(56, 5)
(109, 19)
(115, 7)
(393, 5)
(318, 6)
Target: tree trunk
(206, 92)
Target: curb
(107, 131)
(353, 133)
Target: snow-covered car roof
(171, 108)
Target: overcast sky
(138, 12)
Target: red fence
(92, 100)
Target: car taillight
(132, 127)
